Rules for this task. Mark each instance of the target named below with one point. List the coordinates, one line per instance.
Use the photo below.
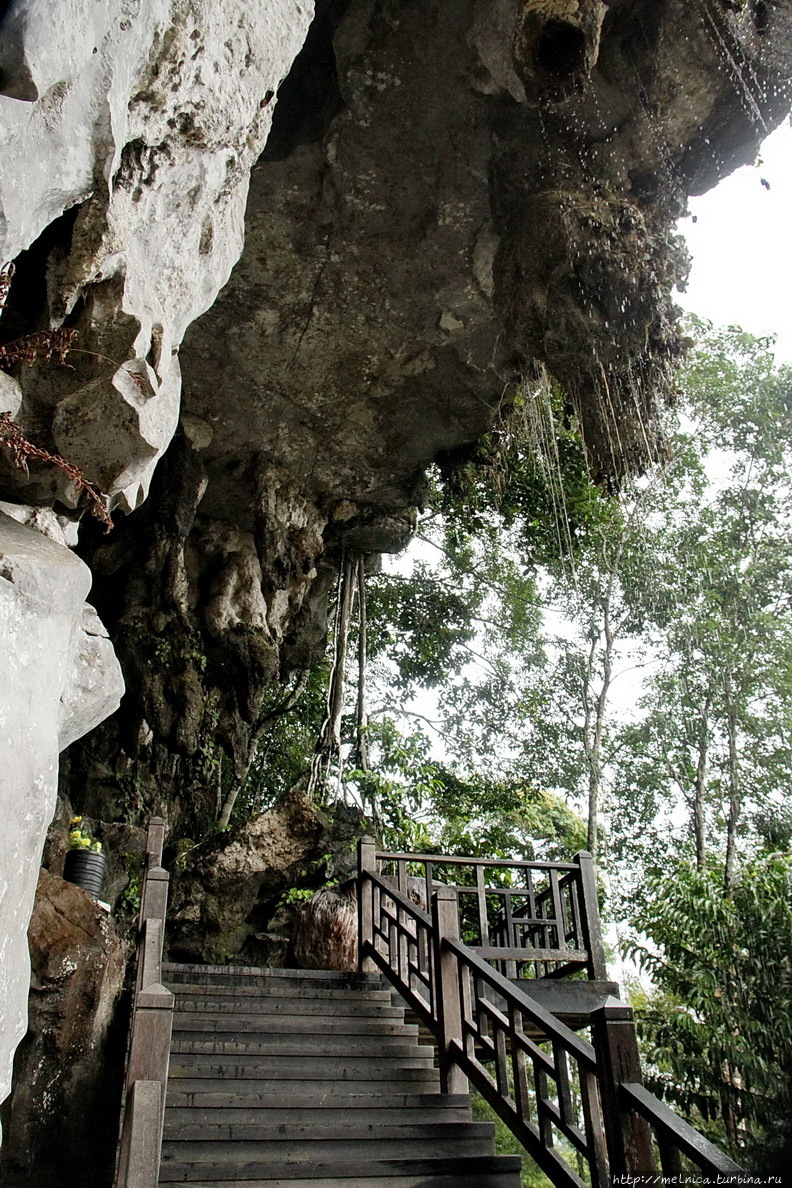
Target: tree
(717, 1024)
(714, 734)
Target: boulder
(60, 678)
(60, 1123)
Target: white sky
(741, 243)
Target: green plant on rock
(79, 839)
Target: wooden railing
(145, 1084)
(676, 1141)
(578, 1108)
(532, 919)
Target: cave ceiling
(450, 197)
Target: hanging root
(328, 744)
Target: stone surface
(127, 135)
(60, 678)
(325, 932)
(452, 194)
(127, 132)
(62, 1117)
(217, 890)
(432, 217)
(227, 898)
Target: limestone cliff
(450, 193)
(127, 132)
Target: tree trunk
(700, 786)
(734, 786)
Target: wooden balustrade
(565, 1100)
(547, 1092)
(145, 1082)
(676, 1140)
(534, 920)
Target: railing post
(155, 840)
(141, 1136)
(616, 1046)
(367, 863)
(143, 1106)
(590, 917)
(445, 925)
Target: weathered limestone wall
(453, 191)
(450, 193)
(60, 679)
(127, 132)
(141, 119)
(62, 1124)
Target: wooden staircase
(312, 1080)
(249, 1077)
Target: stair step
(326, 1131)
(263, 989)
(299, 1090)
(242, 975)
(291, 1066)
(208, 1096)
(298, 1025)
(308, 1047)
(480, 1179)
(318, 1150)
(363, 1173)
(309, 1079)
(255, 1004)
(331, 1113)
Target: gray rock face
(142, 121)
(127, 132)
(451, 193)
(60, 679)
(61, 1120)
(227, 898)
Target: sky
(740, 237)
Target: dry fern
(6, 275)
(22, 450)
(42, 345)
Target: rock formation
(128, 132)
(450, 194)
(61, 1125)
(230, 901)
(60, 678)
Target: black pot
(85, 868)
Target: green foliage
(297, 895)
(422, 624)
(529, 474)
(284, 753)
(717, 1025)
(79, 839)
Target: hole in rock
(309, 96)
(561, 49)
(27, 307)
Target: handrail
(533, 1090)
(676, 1138)
(546, 923)
(145, 1083)
(588, 1094)
(456, 860)
(478, 1016)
